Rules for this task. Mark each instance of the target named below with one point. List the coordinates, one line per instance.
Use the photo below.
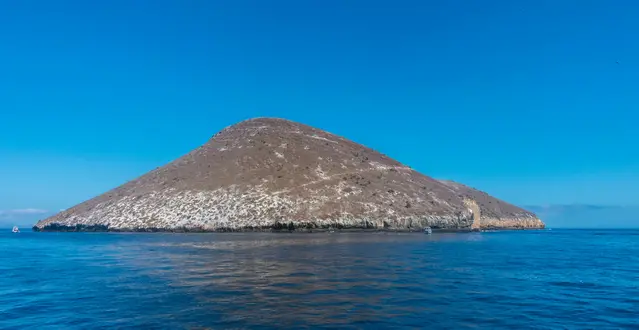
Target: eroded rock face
(270, 173)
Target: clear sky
(536, 102)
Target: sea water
(559, 279)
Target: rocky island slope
(267, 173)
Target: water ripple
(543, 280)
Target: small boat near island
(428, 231)
(15, 229)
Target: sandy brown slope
(273, 173)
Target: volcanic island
(270, 174)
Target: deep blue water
(560, 279)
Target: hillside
(270, 173)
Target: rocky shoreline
(265, 229)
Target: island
(271, 174)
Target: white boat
(428, 231)
(15, 229)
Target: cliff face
(493, 213)
(272, 173)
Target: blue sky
(535, 102)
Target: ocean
(559, 279)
